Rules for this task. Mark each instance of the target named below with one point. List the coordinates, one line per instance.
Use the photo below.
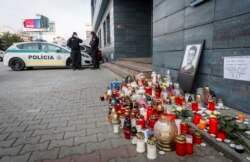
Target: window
(51, 48)
(104, 33)
(28, 46)
(108, 29)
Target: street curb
(221, 146)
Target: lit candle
(194, 106)
(197, 118)
(211, 105)
(213, 125)
(221, 135)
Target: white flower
(179, 109)
(208, 112)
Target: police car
(39, 54)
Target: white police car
(39, 54)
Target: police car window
(20, 46)
(50, 47)
(30, 46)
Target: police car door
(52, 55)
(29, 53)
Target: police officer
(94, 43)
(73, 43)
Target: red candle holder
(221, 134)
(180, 145)
(191, 132)
(213, 125)
(195, 106)
(197, 138)
(150, 111)
(152, 120)
(184, 128)
(189, 148)
(197, 118)
(127, 133)
(141, 121)
(211, 105)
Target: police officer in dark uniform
(73, 43)
(94, 43)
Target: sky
(69, 15)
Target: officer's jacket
(73, 43)
(94, 43)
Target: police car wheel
(17, 64)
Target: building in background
(87, 28)
(123, 27)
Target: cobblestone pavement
(56, 115)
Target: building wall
(107, 49)
(225, 27)
(132, 27)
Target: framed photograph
(190, 64)
(191, 58)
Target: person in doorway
(74, 44)
(94, 43)
(189, 67)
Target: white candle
(133, 122)
(151, 151)
(134, 140)
(140, 146)
(116, 128)
(122, 122)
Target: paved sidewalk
(56, 115)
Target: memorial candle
(197, 118)
(195, 106)
(221, 135)
(184, 128)
(213, 125)
(211, 105)
(189, 145)
(180, 144)
(141, 122)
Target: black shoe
(93, 68)
(74, 69)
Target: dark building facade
(225, 27)
(124, 27)
(223, 24)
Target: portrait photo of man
(190, 60)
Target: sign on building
(237, 68)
